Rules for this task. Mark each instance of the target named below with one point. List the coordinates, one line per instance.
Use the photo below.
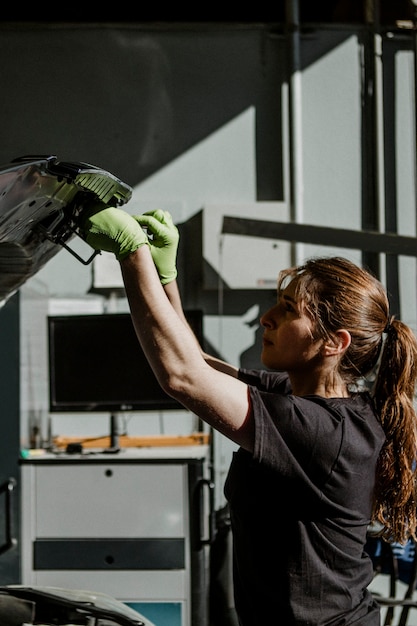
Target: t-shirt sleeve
(273, 382)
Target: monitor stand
(114, 434)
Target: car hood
(41, 202)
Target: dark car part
(60, 607)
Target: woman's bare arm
(173, 294)
(205, 385)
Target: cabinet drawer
(124, 585)
(110, 500)
(108, 554)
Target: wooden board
(126, 441)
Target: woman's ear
(339, 343)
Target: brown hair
(338, 294)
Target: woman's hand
(113, 230)
(163, 240)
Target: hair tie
(388, 326)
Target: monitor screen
(96, 364)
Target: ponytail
(395, 501)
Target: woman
(319, 457)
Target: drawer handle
(202, 484)
(8, 488)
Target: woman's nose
(265, 319)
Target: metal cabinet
(134, 525)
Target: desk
(134, 525)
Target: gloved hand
(163, 241)
(113, 230)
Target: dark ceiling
(386, 12)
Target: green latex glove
(164, 238)
(113, 230)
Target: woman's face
(288, 339)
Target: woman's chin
(265, 361)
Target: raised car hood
(41, 201)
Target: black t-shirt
(300, 507)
